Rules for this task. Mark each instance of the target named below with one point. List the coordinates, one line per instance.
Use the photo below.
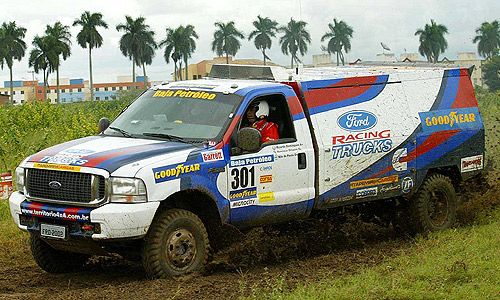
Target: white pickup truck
(182, 162)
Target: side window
(277, 116)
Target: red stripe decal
(465, 93)
(319, 97)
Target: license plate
(53, 231)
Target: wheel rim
(438, 208)
(181, 249)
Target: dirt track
(299, 253)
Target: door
(275, 183)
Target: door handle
(302, 161)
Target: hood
(106, 152)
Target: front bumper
(116, 221)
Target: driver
(257, 115)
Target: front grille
(74, 187)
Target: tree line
(139, 44)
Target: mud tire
(175, 229)
(434, 206)
(55, 261)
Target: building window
(98, 98)
(22, 92)
(13, 92)
(128, 88)
(106, 89)
(71, 90)
(97, 89)
(113, 88)
(106, 98)
(79, 90)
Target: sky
(392, 22)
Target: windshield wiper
(125, 133)
(165, 136)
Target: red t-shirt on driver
(268, 130)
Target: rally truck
(164, 180)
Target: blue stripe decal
(451, 89)
(370, 94)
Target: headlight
(20, 179)
(127, 190)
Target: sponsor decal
(184, 94)
(266, 197)
(373, 181)
(357, 120)
(242, 203)
(389, 188)
(406, 184)
(252, 160)
(463, 118)
(166, 173)
(63, 160)
(56, 167)
(266, 178)
(341, 199)
(396, 164)
(266, 168)
(66, 213)
(81, 152)
(368, 192)
(361, 136)
(214, 155)
(362, 143)
(472, 163)
(243, 194)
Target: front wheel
(177, 244)
(55, 261)
(434, 207)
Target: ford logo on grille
(357, 120)
(55, 185)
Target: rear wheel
(55, 261)
(434, 207)
(177, 244)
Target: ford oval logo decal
(357, 120)
(55, 185)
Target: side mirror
(103, 124)
(249, 139)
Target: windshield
(176, 114)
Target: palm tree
(136, 38)
(41, 57)
(90, 37)
(488, 36)
(339, 36)
(189, 45)
(432, 41)
(62, 46)
(147, 59)
(226, 39)
(12, 47)
(173, 48)
(295, 38)
(265, 28)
